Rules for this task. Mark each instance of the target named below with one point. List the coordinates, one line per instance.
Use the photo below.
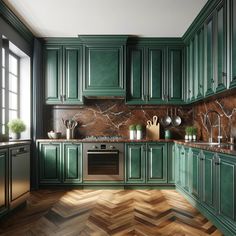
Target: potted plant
(139, 129)
(16, 126)
(194, 133)
(188, 133)
(132, 131)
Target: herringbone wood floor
(107, 212)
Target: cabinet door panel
(171, 163)
(72, 163)
(221, 47)
(53, 74)
(200, 64)
(135, 80)
(227, 196)
(49, 159)
(156, 74)
(157, 163)
(177, 165)
(175, 74)
(73, 75)
(135, 163)
(195, 61)
(195, 173)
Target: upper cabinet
(154, 74)
(104, 63)
(63, 74)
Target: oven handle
(102, 152)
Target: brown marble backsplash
(111, 117)
(226, 107)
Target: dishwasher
(19, 173)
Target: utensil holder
(69, 133)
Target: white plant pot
(16, 135)
(139, 134)
(186, 137)
(132, 134)
(194, 137)
(190, 137)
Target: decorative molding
(15, 22)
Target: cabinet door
(227, 186)
(49, 162)
(233, 43)
(191, 71)
(72, 163)
(177, 165)
(171, 163)
(209, 82)
(53, 74)
(156, 59)
(208, 180)
(200, 68)
(72, 75)
(195, 67)
(186, 168)
(188, 74)
(135, 73)
(195, 173)
(175, 75)
(157, 163)
(3, 181)
(135, 163)
(221, 47)
(104, 72)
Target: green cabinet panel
(221, 47)
(232, 23)
(156, 74)
(209, 191)
(72, 163)
(53, 74)
(3, 181)
(175, 75)
(191, 71)
(200, 63)
(177, 165)
(209, 79)
(135, 163)
(157, 163)
(49, 162)
(186, 168)
(195, 67)
(171, 162)
(135, 73)
(195, 173)
(72, 75)
(227, 186)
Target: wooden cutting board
(153, 131)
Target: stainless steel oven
(103, 161)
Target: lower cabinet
(212, 184)
(60, 163)
(3, 181)
(146, 163)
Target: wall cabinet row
(209, 179)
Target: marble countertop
(223, 148)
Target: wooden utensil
(153, 129)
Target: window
(14, 86)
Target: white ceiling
(69, 18)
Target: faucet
(219, 137)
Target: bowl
(54, 135)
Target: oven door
(103, 165)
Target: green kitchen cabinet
(200, 64)
(177, 165)
(185, 167)
(232, 52)
(50, 163)
(3, 181)
(53, 74)
(209, 69)
(72, 82)
(188, 81)
(63, 74)
(135, 163)
(195, 68)
(104, 64)
(156, 163)
(136, 86)
(175, 83)
(171, 162)
(72, 163)
(220, 47)
(226, 184)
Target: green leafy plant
(16, 126)
(194, 130)
(188, 130)
(132, 127)
(139, 127)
